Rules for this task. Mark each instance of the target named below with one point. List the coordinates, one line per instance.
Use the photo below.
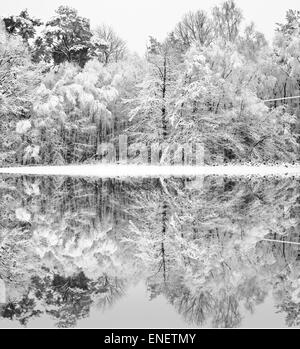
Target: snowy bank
(115, 171)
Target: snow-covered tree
(19, 79)
(286, 54)
(151, 109)
(23, 25)
(65, 38)
(107, 45)
(72, 112)
(194, 28)
(227, 19)
(217, 104)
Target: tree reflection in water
(68, 245)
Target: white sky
(135, 20)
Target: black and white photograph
(149, 167)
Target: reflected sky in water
(211, 252)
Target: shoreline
(119, 171)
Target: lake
(172, 252)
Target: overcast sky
(135, 20)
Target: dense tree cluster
(67, 90)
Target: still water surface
(161, 253)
